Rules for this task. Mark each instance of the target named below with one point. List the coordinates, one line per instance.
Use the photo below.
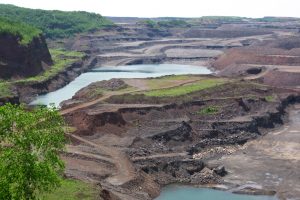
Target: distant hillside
(217, 20)
(23, 32)
(55, 24)
(133, 20)
(277, 19)
(165, 24)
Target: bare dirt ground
(272, 161)
(124, 168)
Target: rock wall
(18, 60)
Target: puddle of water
(192, 193)
(106, 73)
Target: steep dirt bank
(18, 60)
(274, 62)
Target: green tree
(29, 151)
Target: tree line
(55, 24)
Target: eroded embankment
(25, 92)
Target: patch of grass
(271, 98)
(156, 83)
(72, 190)
(95, 93)
(5, 89)
(209, 110)
(61, 59)
(185, 89)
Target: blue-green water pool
(192, 193)
(106, 73)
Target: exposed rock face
(182, 133)
(23, 60)
(206, 176)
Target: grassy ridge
(24, 32)
(55, 24)
(185, 89)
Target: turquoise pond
(106, 73)
(192, 193)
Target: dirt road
(125, 171)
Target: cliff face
(23, 60)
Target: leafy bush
(24, 32)
(30, 143)
(55, 24)
(149, 23)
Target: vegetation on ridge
(25, 33)
(185, 89)
(55, 24)
(165, 24)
